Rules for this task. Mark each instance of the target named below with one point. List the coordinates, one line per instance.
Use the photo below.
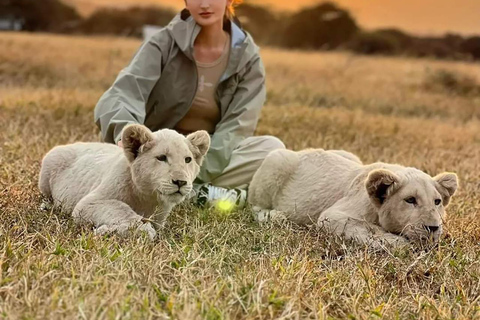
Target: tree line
(325, 26)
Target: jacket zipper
(194, 92)
(196, 86)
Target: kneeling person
(198, 73)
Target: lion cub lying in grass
(373, 204)
(115, 188)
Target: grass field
(208, 265)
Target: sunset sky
(424, 16)
(419, 16)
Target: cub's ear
(380, 184)
(134, 136)
(199, 143)
(447, 184)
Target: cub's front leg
(341, 220)
(110, 216)
(162, 212)
(266, 215)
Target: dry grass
(213, 266)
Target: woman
(201, 72)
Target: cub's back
(70, 172)
(322, 178)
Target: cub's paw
(125, 229)
(389, 241)
(46, 205)
(103, 230)
(395, 241)
(267, 215)
(148, 228)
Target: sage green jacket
(158, 86)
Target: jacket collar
(185, 30)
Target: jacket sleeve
(125, 101)
(239, 121)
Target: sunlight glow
(225, 205)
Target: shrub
(374, 43)
(325, 26)
(442, 80)
(127, 22)
(44, 15)
(259, 22)
(471, 47)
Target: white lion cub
(374, 204)
(115, 188)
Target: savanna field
(212, 265)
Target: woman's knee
(265, 143)
(273, 143)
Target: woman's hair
(230, 12)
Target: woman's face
(207, 12)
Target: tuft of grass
(452, 82)
(211, 265)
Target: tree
(44, 15)
(259, 22)
(325, 26)
(471, 47)
(128, 22)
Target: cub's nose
(431, 229)
(179, 183)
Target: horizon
(430, 17)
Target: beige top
(204, 113)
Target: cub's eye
(162, 158)
(411, 200)
(188, 159)
(437, 202)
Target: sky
(418, 16)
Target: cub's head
(411, 203)
(164, 162)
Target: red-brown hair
(230, 12)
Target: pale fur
(366, 203)
(117, 189)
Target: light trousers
(245, 160)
